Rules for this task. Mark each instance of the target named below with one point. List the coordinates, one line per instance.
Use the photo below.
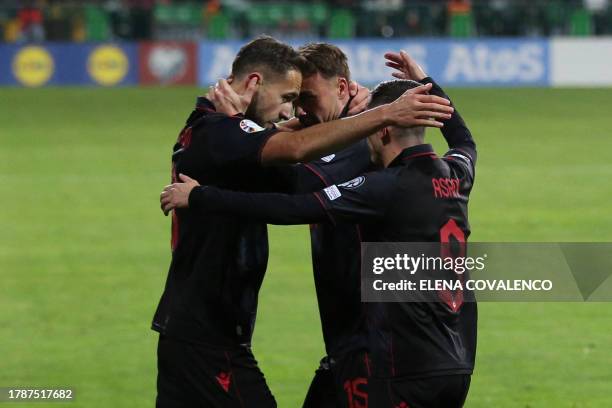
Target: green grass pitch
(84, 248)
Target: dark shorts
(340, 383)
(191, 376)
(449, 391)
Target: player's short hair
(388, 91)
(325, 59)
(268, 55)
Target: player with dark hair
(422, 354)
(341, 378)
(207, 312)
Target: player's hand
(361, 98)
(228, 101)
(177, 195)
(406, 67)
(416, 108)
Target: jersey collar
(412, 152)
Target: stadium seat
(257, 18)
(277, 13)
(461, 25)
(580, 23)
(218, 26)
(179, 21)
(555, 17)
(342, 24)
(188, 14)
(319, 13)
(299, 12)
(163, 14)
(426, 19)
(97, 25)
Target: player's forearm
(319, 140)
(455, 131)
(281, 209)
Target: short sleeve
(234, 140)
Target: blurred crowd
(103, 20)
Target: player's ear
(254, 75)
(385, 136)
(343, 87)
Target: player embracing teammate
(207, 312)
(419, 354)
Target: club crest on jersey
(329, 158)
(354, 183)
(249, 126)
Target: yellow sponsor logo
(33, 66)
(108, 65)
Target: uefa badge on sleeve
(249, 126)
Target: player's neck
(237, 87)
(389, 154)
(393, 149)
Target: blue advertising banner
(68, 64)
(471, 62)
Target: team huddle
(286, 139)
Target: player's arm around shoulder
(271, 208)
(414, 108)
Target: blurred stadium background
(89, 113)
(105, 20)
